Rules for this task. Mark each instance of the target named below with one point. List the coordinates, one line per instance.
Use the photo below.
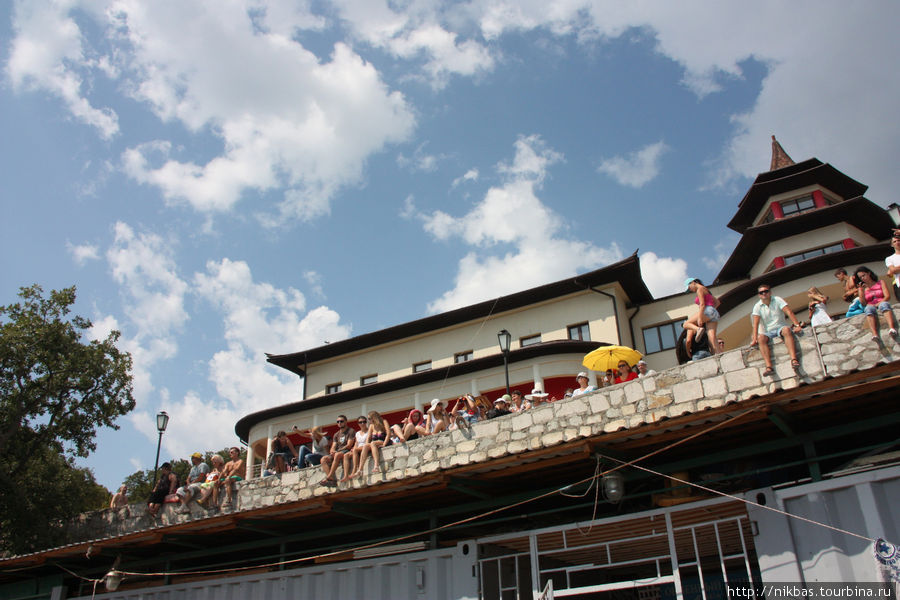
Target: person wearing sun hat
(583, 387)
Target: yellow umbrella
(609, 357)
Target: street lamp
(162, 421)
(613, 485)
(504, 337)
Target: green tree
(56, 389)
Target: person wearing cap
(707, 316)
(501, 407)
(583, 387)
(196, 476)
(643, 371)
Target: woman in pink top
(874, 295)
(707, 315)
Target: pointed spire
(780, 158)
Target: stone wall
(831, 350)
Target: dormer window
(796, 206)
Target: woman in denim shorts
(707, 315)
(874, 296)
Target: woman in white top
(436, 420)
(361, 440)
(817, 313)
(583, 387)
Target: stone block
(658, 401)
(496, 451)
(616, 396)
(701, 368)
(634, 392)
(745, 378)
(521, 421)
(552, 438)
(543, 414)
(732, 360)
(487, 429)
(290, 478)
(648, 383)
(599, 403)
(628, 409)
(516, 447)
(687, 391)
(714, 386)
(710, 403)
(614, 425)
(573, 406)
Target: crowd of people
(349, 450)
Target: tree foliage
(56, 390)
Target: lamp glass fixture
(613, 487)
(504, 338)
(162, 421)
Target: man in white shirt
(768, 318)
(892, 262)
(643, 371)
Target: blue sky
(225, 179)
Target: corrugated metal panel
(793, 550)
(446, 574)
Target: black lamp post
(162, 421)
(504, 338)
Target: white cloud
(47, 54)
(420, 160)
(663, 275)
(512, 216)
(82, 253)
(286, 119)
(636, 168)
(470, 175)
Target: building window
(333, 388)
(795, 258)
(368, 379)
(662, 337)
(580, 332)
(461, 357)
(422, 366)
(797, 206)
(530, 340)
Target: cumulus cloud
(256, 317)
(81, 253)
(636, 168)
(286, 119)
(511, 217)
(663, 275)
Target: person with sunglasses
(768, 318)
(625, 373)
(340, 454)
(892, 262)
(874, 297)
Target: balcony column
(538, 380)
(268, 450)
(248, 464)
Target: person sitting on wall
(436, 418)
(849, 284)
(376, 438)
(120, 498)
(874, 296)
(625, 373)
(501, 407)
(768, 322)
(643, 371)
(466, 407)
(361, 440)
(583, 387)
(165, 486)
(319, 446)
(196, 476)
(210, 488)
(341, 447)
(707, 316)
(892, 262)
(283, 452)
(232, 472)
(410, 428)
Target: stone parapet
(830, 350)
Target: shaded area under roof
(242, 427)
(863, 214)
(808, 172)
(626, 272)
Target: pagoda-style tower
(800, 213)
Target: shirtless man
(850, 289)
(233, 471)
